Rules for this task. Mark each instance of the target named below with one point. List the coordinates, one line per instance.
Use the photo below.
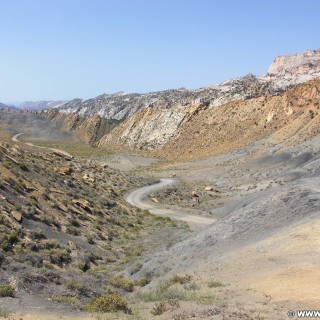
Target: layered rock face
(150, 128)
(121, 105)
(294, 69)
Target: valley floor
(257, 259)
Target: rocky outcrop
(294, 69)
(121, 105)
(150, 128)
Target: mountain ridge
(282, 73)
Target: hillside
(65, 227)
(199, 131)
(87, 129)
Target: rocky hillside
(89, 130)
(122, 105)
(151, 128)
(64, 225)
(284, 71)
(200, 130)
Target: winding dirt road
(62, 152)
(136, 197)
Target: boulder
(67, 171)
(194, 194)
(208, 189)
(16, 215)
(89, 177)
(83, 204)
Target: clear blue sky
(62, 49)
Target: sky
(65, 49)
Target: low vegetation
(123, 283)
(214, 284)
(107, 303)
(6, 290)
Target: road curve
(65, 153)
(136, 197)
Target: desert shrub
(123, 283)
(23, 167)
(214, 284)
(181, 279)
(107, 303)
(4, 313)
(90, 238)
(73, 285)
(159, 309)
(37, 234)
(52, 244)
(136, 268)
(8, 240)
(84, 263)
(2, 258)
(59, 256)
(142, 282)
(30, 258)
(191, 286)
(6, 290)
(64, 299)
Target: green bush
(142, 282)
(6, 290)
(214, 284)
(123, 283)
(73, 285)
(107, 303)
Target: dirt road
(67, 154)
(136, 197)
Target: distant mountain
(5, 106)
(39, 105)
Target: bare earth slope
(265, 241)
